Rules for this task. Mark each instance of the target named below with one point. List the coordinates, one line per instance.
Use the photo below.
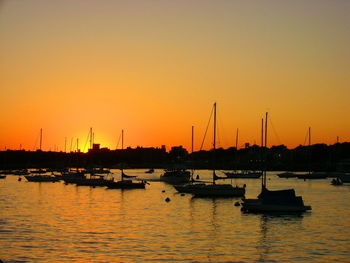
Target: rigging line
(220, 127)
(120, 135)
(274, 131)
(36, 141)
(87, 139)
(306, 136)
(206, 130)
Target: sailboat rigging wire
(36, 141)
(206, 130)
(120, 135)
(87, 139)
(220, 127)
(274, 131)
(306, 136)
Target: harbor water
(55, 222)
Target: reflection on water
(54, 222)
(273, 235)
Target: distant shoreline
(318, 157)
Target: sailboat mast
(90, 138)
(122, 139)
(122, 175)
(309, 150)
(262, 132)
(41, 138)
(309, 136)
(214, 143)
(192, 139)
(237, 139)
(266, 116)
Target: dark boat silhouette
(212, 189)
(281, 201)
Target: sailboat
(212, 189)
(309, 174)
(125, 183)
(282, 201)
(40, 175)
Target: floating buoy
(182, 194)
(167, 199)
(19, 179)
(237, 204)
(163, 191)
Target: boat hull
(41, 178)
(218, 190)
(256, 206)
(251, 175)
(126, 184)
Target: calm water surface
(54, 222)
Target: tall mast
(90, 138)
(41, 138)
(262, 132)
(237, 139)
(266, 116)
(214, 143)
(192, 139)
(309, 136)
(122, 175)
(77, 144)
(309, 150)
(122, 139)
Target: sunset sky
(154, 68)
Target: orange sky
(154, 69)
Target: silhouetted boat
(287, 175)
(73, 176)
(281, 201)
(125, 183)
(39, 171)
(244, 175)
(41, 178)
(2, 176)
(212, 189)
(336, 181)
(92, 180)
(313, 175)
(98, 170)
(21, 172)
(175, 176)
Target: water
(54, 222)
